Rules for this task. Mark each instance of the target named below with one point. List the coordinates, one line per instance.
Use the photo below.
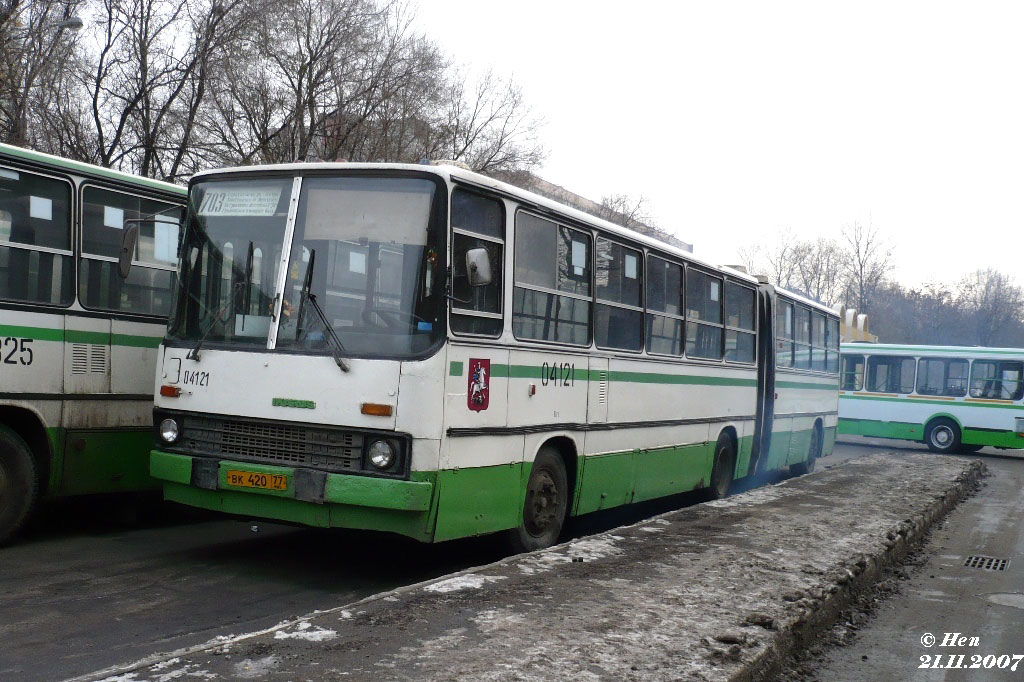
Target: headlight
(382, 455)
(169, 430)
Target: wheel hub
(542, 504)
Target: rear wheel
(722, 472)
(19, 483)
(813, 453)
(545, 506)
(943, 435)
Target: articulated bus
(423, 350)
(952, 399)
(77, 343)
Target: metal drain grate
(987, 563)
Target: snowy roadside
(719, 591)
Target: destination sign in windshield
(229, 201)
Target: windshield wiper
(194, 353)
(338, 351)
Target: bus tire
(942, 436)
(813, 453)
(19, 483)
(545, 505)
(724, 467)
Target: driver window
(477, 222)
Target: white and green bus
(78, 343)
(423, 350)
(951, 398)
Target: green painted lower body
(880, 429)
(451, 503)
(915, 432)
(99, 461)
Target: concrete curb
(857, 576)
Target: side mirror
(128, 240)
(478, 265)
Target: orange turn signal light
(170, 391)
(376, 409)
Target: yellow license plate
(251, 479)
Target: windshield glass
(374, 245)
(374, 250)
(224, 217)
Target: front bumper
(305, 485)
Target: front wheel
(19, 483)
(545, 506)
(725, 465)
(943, 436)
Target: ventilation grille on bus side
(602, 387)
(328, 449)
(88, 358)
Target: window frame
(859, 379)
(558, 223)
(725, 320)
(1017, 395)
(642, 285)
(503, 242)
(945, 377)
(888, 359)
(81, 255)
(648, 254)
(721, 311)
(73, 208)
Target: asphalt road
(941, 596)
(97, 582)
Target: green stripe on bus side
(537, 372)
(78, 336)
(40, 333)
(922, 401)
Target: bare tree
(993, 303)
(868, 263)
(35, 49)
(820, 265)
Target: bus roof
(86, 169)
(921, 350)
(458, 174)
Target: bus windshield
(363, 260)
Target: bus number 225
(558, 374)
(11, 346)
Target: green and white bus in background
(423, 350)
(78, 343)
(951, 398)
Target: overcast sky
(734, 119)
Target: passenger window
(477, 222)
(784, 334)
(802, 338)
(832, 346)
(888, 374)
(740, 313)
(35, 238)
(664, 307)
(704, 326)
(618, 320)
(147, 290)
(941, 376)
(551, 297)
(852, 376)
(997, 379)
